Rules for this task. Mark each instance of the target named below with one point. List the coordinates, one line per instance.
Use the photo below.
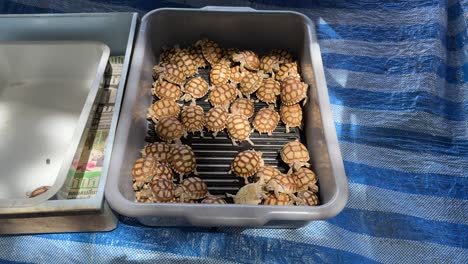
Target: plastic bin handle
(229, 8)
(197, 218)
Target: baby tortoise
(269, 91)
(192, 188)
(222, 95)
(251, 193)
(238, 128)
(163, 190)
(243, 106)
(143, 171)
(193, 119)
(219, 73)
(287, 70)
(194, 89)
(166, 90)
(183, 160)
(305, 179)
(281, 199)
(162, 108)
(265, 173)
(307, 198)
(170, 129)
(211, 50)
(266, 120)
(247, 59)
(246, 164)
(211, 199)
(295, 154)
(158, 150)
(293, 91)
(291, 115)
(215, 120)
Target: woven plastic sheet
(397, 74)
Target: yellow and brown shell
(292, 91)
(143, 171)
(269, 63)
(197, 56)
(166, 54)
(266, 173)
(228, 53)
(184, 61)
(193, 118)
(294, 151)
(163, 108)
(211, 50)
(196, 87)
(287, 70)
(291, 115)
(169, 129)
(282, 199)
(250, 83)
(305, 179)
(269, 91)
(163, 171)
(248, 59)
(213, 200)
(238, 127)
(163, 190)
(247, 163)
(236, 75)
(173, 74)
(243, 106)
(287, 184)
(283, 55)
(216, 118)
(166, 90)
(219, 73)
(192, 188)
(158, 150)
(183, 159)
(222, 95)
(266, 120)
(308, 198)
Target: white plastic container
(47, 93)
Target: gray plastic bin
(241, 28)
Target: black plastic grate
(214, 155)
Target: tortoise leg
(250, 142)
(287, 128)
(234, 142)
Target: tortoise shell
(192, 188)
(219, 74)
(283, 55)
(158, 150)
(213, 200)
(143, 171)
(173, 74)
(38, 191)
(166, 54)
(291, 115)
(305, 180)
(247, 59)
(211, 50)
(166, 90)
(287, 184)
(292, 91)
(163, 108)
(282, 199)
(243, 106)
(183, 159)
(250, 83)
(246, 163)
(238, 127)
(268, 91)
(196, 87)
(269, 63)
(169, 129)
(184, 61)
(216, 118)
(294, 151)
(308, 198)
(197, 56)
(266, 172)
(222, 95)
(266, 120)
(192, 118)
(287, 70)
(163, 171)
(236, 75)
(163, 190)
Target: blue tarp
(397, 74)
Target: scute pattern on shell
(247, 58)
(222, 95)
(193, 118)
(238, 127)
(173, 74)
(266, 120)
(304, 179)
(267, 172)
(243, 106)
(163, 108)
(166, 90)
(246, 163)
(287, 183)
(219, 74)
(195, 188)
(236, 75)
(282, 199)
(216, 118)
(163, 171)
(250, 83)
(158, 150)
(291, 115)
(211, 50)
(184, 61)
(197, 87)
(283, 55)
(268, 91)
(287, 70)
(183, 159)
(268, 63)
(292, 91)
(294, 151)
(169, 129)
(143, 169)
(308, 198)
(213, 200)
(197, 56)
(163, 190)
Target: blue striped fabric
(397, 74)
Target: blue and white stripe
(397, 73)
